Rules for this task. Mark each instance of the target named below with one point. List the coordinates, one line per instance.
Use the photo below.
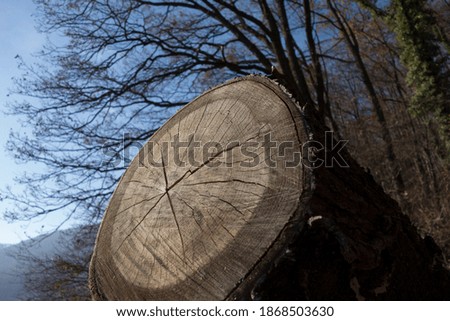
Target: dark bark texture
(362, 247)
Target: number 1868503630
(296, 311)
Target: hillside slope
(12, 267)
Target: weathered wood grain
(192, 222)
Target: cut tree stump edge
(198, 232)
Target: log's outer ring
(97, 282)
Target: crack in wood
(227, 181)
(137, 225)
(144, 185)
(228, 203)
(192, 209)
(177, 224)
(191, 172)
(173, 210)
(138, 203)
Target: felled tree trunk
(241, 196)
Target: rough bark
(244, 223)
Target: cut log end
(205, 200)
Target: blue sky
(18, 36)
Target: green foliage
(419, 52)
(423, 51)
